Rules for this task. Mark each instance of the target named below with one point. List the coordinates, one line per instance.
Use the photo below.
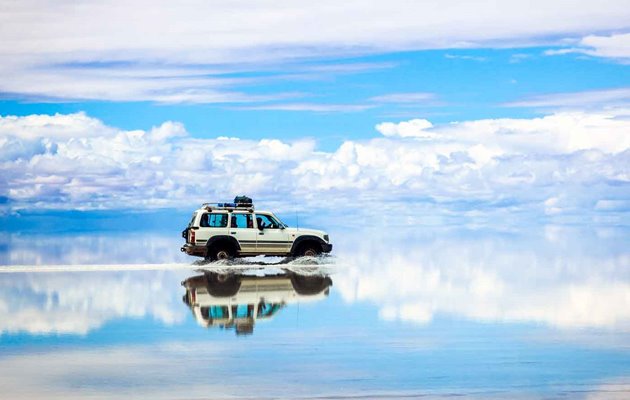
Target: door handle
(233, 233)
(260, 233)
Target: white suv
(226, 230)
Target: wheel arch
(222, 285)
(223, 239)
(219, 240)
(301, 240)
(310, 285)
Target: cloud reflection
(90, 248)
(558, 277)
(78, 302)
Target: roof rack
(228, 206)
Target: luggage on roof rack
(243, 201)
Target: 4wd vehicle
(221, 231)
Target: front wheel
(309, 250)
(310, 285)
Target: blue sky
(464, 85)
(513, 105)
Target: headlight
(326, 237)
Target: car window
(267, 221)
(219, 312)
(242, 221)
(212, 312)
(213, 220)
(192, 219)
(243, 311)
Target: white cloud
(77, 162)
(615, 46)
(399, 99)
(559, 133)
(414, 128)
(58, 126)
(62, 51)
(241, 25)
(519, 57)
(402, 98)
(592, 99)
(357, 67)
(315, 107)
(464, 57)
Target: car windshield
(266, 310)
(281, 223)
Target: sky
(463, 109)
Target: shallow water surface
(473, 314)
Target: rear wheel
(222, 285)
(220, 252)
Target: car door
(242, 229)
(272, 238)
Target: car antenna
(297, 219)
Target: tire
(309, 249)
(223, 285)
(310, 285)
(220, 252)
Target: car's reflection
(238, 300)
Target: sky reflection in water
(475, 313)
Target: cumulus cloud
(185, 50)
(559, 133)
(414, 128)
(77, 162)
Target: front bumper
(326, 247)
(193, 250)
